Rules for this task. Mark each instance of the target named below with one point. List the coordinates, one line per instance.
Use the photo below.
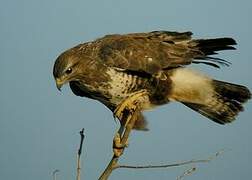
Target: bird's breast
(122, 85)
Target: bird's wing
(154, 51)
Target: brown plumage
(112, 68)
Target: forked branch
(123, 134)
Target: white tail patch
(190, 86)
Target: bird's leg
(120, 140)
(129, 104)
(126, 112)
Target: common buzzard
(113, 68)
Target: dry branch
(123, 134)
(79, 155)
(55, 172)
(114, 161)
(173, 164)
(188, 172)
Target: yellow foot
(130, 104)
(118, 147)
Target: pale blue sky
(39, 126)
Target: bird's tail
(217, 100)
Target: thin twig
(162, 165)
(55, 174)
(188, 172)
(79, 155)
(171, 165)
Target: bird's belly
(123, 85)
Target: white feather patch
(190, 86)
(119, 85)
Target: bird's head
(66, 68)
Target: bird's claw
(124, 108)
(118, 147)
(128, 105)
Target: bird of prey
(154, 65)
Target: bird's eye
(69, 70)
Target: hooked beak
(59, 84)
